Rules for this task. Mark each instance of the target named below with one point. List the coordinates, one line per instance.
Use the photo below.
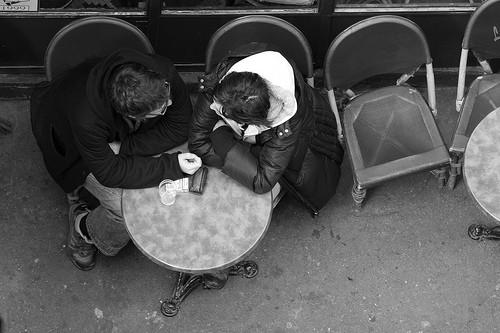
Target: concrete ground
(403, 264)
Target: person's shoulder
(156, 61)
(163, 65)
(203, 102)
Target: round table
(199, 233)
(482, 172)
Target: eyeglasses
(161, 111)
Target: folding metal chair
(88, 38)
(389, 131)
(250, 34)
(482, 37)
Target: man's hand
(189, 162)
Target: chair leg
(455, 170)
(358, 195)
(442, 176)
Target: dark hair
(135, 91)
(244, 97)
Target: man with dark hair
(101, 126)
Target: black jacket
(73, 122)
(302, 152)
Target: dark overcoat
(73, 123)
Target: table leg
(248, 269)
(187, 283)
(184, 285)
(480, 232)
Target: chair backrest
(482, 37)
(244, 33)
(377, 45)
(88, 38)
(482, 34)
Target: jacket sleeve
(121, 171)
(261, 173)
(170, 131)
(201, 125)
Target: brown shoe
(81, 253)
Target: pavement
(403, 264)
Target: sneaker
(81, 252)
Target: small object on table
(198, 181)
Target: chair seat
(482, 98)
(391, 132)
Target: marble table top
(198, 233)
(482, 164)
